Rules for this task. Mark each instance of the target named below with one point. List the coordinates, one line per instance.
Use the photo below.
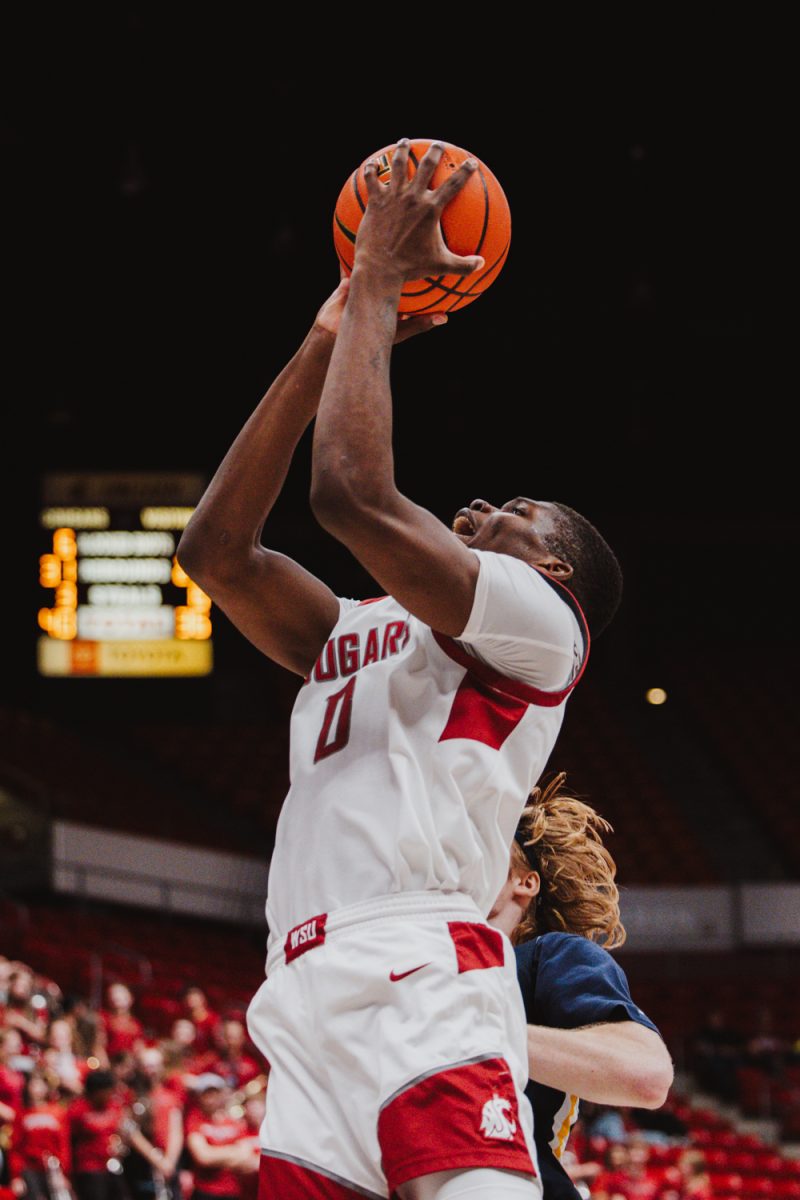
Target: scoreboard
(115, 601)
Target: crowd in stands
(92, 1106)
(95, 1106)
(758, 1070)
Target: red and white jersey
(412, 754)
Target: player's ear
(527, 886)
(556, 567)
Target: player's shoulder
(373, 604)
(510, 566)
(563, 950)
(512, 577)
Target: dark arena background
(168, 186)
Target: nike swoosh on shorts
(394, 978)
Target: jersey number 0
(335, 732)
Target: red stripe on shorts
(465, 1117)
(477, 946)
(282, 1180)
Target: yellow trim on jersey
(566, 1125)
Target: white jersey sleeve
(520, 626)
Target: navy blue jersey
(567, 981)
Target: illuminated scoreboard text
(117, 601)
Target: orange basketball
(477, 221)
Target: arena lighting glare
(655, 696)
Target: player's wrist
(376, 274)
(320, 339)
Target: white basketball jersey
(412, 754)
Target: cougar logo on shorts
(494, 1122)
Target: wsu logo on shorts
(494, 1122)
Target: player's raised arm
(285, 611)
(354, 496)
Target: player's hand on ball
(329, 316)
(400, 236)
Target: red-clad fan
(254, 1110)
(39, 1156)
(613, 1174)
(95, 1121)
(628, 1176)
(123, 1033)
(20, 1013)
(204, 1019)
(213, 1138)
(234, 1064)
(11, 1080)
(178, 1059)
(60, 1058)
(153, 1131)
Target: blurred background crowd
(113, 1090)
(94, 1104)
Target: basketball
(476, 221)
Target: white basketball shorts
(395, 1033)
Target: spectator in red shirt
(254, 1110)
(60, 1058)
(630, 1179)
(153, 1131)
(88, 1032)
(94, 1128)
(39, 1157)
(213, 1138)
(695, 1180)
(205, 1021)
(608, 1184)
(184, 1034)
(235, 1066)
(20, 1013)
(11, 1080)
(123, 1033)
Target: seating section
(119, 786)
(746, 708)
(222, 783)
(156, 957)
(651, 843)
(740, 1166)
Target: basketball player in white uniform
(390, 1013)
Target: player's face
(518, 528)
(514, 898)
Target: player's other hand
(400, 237)
(329, 316)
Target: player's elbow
(210, 560)
(652, 1080)
(193, 555)
(342, 505)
